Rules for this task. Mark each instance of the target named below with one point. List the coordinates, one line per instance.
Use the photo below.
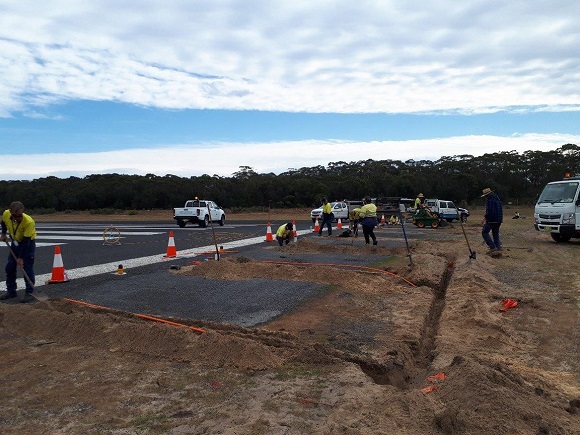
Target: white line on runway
(83, 272)
(132, 233)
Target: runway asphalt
(151, 288)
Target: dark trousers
(282, 240)
(494, 228)
(326, 221)
(369, 233)
(12, 266)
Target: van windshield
(559, 192)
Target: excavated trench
(404, 364)
(416, 357)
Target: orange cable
(141, 316)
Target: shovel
(471, 253)
(39, 295)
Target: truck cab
(557, 210)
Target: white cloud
(322, 56)
(199, 159)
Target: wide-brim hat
(486, 191)
(420, 196)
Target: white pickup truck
(199, 211)
(447, 210)
(339, 210)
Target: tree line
(517, 178)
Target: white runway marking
(132, 233)
(83, 272)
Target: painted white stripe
(83, 272)
(64, 237)
(125, 233)
(40, 244)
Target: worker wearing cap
(22, 230)
(285, 233)
(492, 221)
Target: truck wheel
(435, 224)
(449, 220)
(463, 218)
(205, 222)
(181, 223)
(421, 224)
(560, 238)
(222, 220)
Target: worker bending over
(285, 233)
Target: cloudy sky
(203, 87)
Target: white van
(558, 209)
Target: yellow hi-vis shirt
(19, 230)
(283, 232)
(368, 210)
(326, 208)
(354, 214)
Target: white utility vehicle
(339, 209)
(447, 210)
(199, 211)
(558, 209)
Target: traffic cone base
(171, 251)
(58, 273)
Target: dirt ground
(426, 347)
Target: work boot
(496, 253)
(26, 298)
(491, 251)
(6, 296)
(375, 243)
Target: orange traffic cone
(339, 224)
(383, 219)
(295, 231)
(269, 237)
(171, 251)
(58, 273)
(316, 226)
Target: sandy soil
(421, 348)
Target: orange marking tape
(438, 377)
(428, 389)
(508, 303)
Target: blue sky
(190, 88)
